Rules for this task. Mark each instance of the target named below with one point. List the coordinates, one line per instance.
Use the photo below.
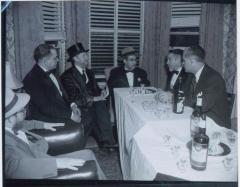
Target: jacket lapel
(78, 77)
(20, 143)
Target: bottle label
(202, 123)
(180, 106)
(199, 152)
(199, 99)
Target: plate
(222, 150)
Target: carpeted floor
(109, 162)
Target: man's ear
(124, 61)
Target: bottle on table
(196, 117)
(199, 149)
(178, 106)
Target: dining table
(153, 140)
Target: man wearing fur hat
(82, 88)
(25, 159)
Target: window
(54, 30)
(113, 26)
(185, 22)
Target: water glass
(228, 163)
(182, 164)
(231, 137)
(175, 151)
(166, 140)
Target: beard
(18, 126)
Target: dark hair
(197, 51)
(41, 51)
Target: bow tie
(175, 72)
(128, 71)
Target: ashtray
(150, 91)
(220, 150)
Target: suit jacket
(46, 103)
(215, 103)
(186, 82)
(118, 78)
(23, 161)
(76, 87)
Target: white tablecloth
(150, 156)
(131, 118)
(140, 135)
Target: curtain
(76, 17)
(229, 47)
(157, 17)
(28, 34)
(211, 34)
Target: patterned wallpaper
(229, 46)
(10, 48)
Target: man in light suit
(25, 159)
(208, 81)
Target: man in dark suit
(175, 73)
(128, 75)
(48, 98)
(208, 81)
(175, 66)
(82, 88)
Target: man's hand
(69, 163)
(76, 113)
(51, 126)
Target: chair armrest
(86, 172)
(64, 140)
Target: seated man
(48, 98)
(175, 66)
(127, 75)
(208, 81)
(49, 101)
(14, 84)
(82, 88)
(28, 160)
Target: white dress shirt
(53, 78)
(174, 77)
(130, 78)
(199, 72)
(81, 71)
(21, 135)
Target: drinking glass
(182, 164)
(228, 163)
(231, 137)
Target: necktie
(128, 71)
(194, 83)
(84, 76)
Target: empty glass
(182, 164)
(231, 137)
(228, 163)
